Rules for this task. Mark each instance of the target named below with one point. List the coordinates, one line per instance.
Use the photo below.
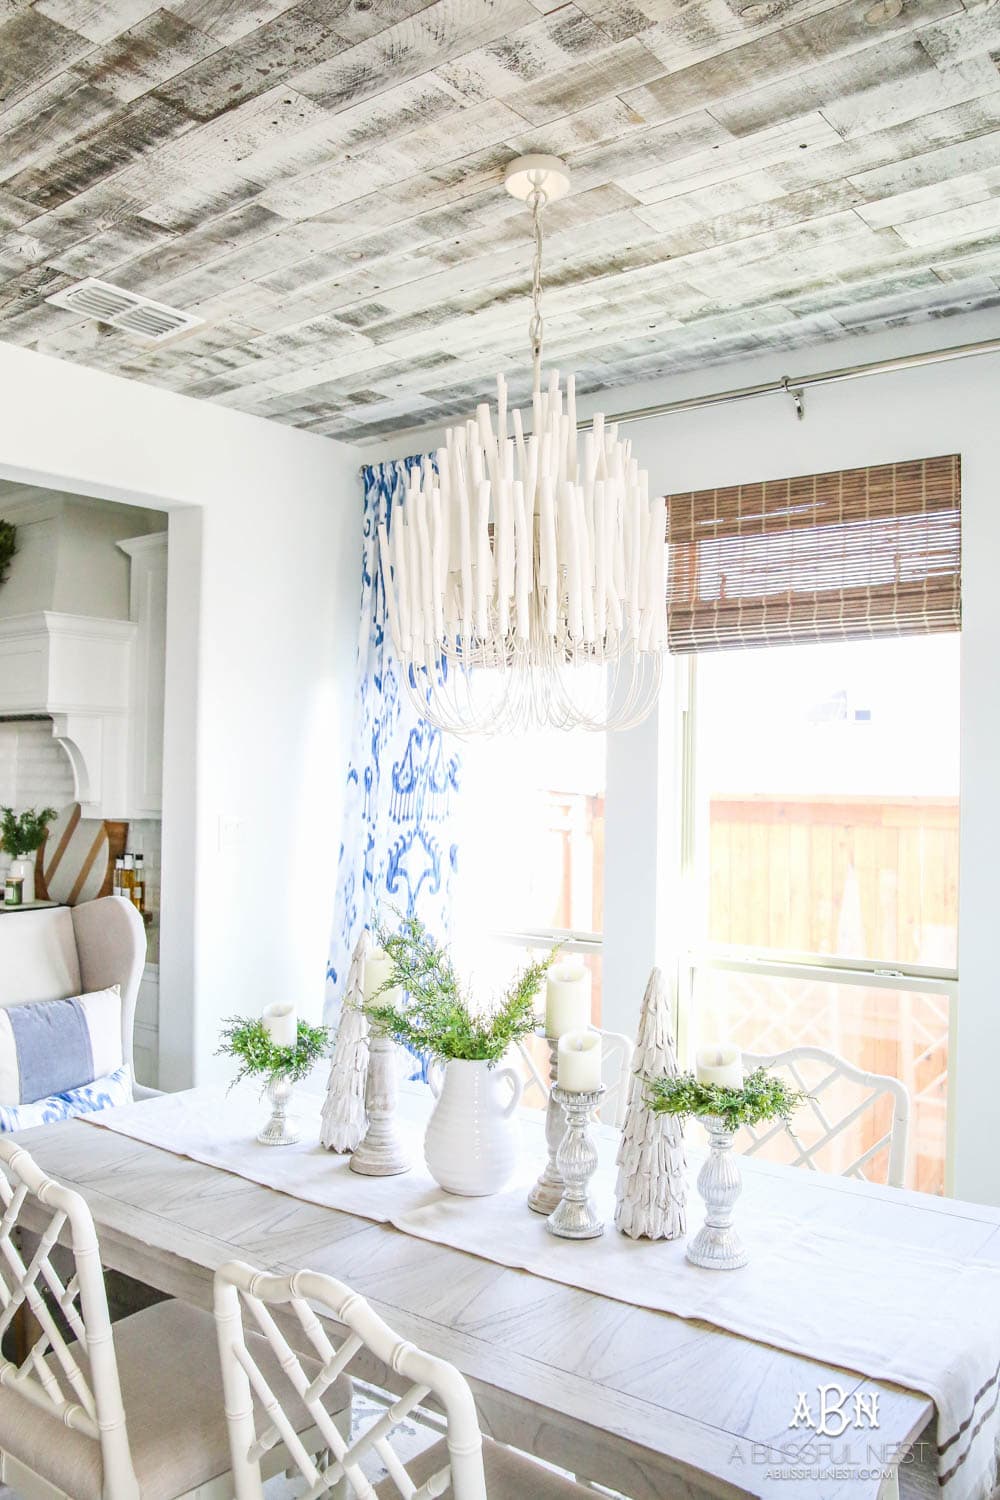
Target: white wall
(264, 532)
(66, 557)
(945, 408)
(262, 628)
(916, 413)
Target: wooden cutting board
(77, 861)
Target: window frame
(568, 938)
(692, 814)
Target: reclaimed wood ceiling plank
(321, 181)
(97, 20)
(531, 54)
(413, 46)
(226, 20)
(34, 48)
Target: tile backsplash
(34, 768)
(144, 838)
(35, 772)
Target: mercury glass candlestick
(575, 1217)
(281, 1129)
(381, 1152)
(717, 1246)
(548, 1190)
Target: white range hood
(76, 670)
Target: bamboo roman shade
(854, 553)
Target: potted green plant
(251, 1040)
(471, 1142)
(22, 836)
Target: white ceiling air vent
(113, 304)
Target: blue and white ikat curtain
(397, 852)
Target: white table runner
(895, 1286)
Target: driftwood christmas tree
(652, 1187)
(344, 1119)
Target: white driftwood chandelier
(528, 578)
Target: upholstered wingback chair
(65, 951)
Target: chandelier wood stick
(526, 572)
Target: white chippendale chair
(822, 1075)
(100, 1413)
(463, 1464)
(616, 1073)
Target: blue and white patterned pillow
(104, 1093)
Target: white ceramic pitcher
(472, 1136)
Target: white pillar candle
(281, 1025)
(580, 1061)
(722, 1065)
(567, 997)
(378, 968)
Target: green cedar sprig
(248, 1040)
(438, 1020)
(762, 1097)
(8, 546)
(23, 835)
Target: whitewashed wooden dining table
(649, 1404)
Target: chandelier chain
(536, 328)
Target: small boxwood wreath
(762, 1097)
(8, 546)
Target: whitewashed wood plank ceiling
(321, 182)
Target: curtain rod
(793, 387)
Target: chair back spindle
(825, 1079)
(74, 1378)
(243, 1293)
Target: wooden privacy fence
(854, 877)
(862, 877)
(850, 876)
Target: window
(822, 790)
(829, 777)
(893, 1031)
(532, 853)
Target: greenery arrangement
(762, 1097)
(8, 546)
(439, 1020)
(248, 1040)
(23, 835)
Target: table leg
(889, 1488)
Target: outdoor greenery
(248, 1040)
(23, 835)
(8, 546)
(439, 1020)
(762, 1097)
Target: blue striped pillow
(52, 1046)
